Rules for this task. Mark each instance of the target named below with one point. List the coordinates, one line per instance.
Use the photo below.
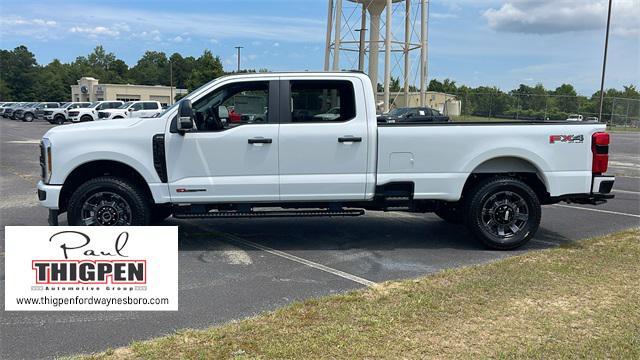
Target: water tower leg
(387, 57)
(407, 42)
(336, 42)
(374, 47)
(423, 52)
(361, 47)
(327, 49)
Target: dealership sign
(91, 268)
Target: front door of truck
(323, 140)
(221, 161)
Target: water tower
(347, 43)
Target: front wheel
(503, 212)
(59, 120)
(86, 118)
(28, 117)
(108, 201)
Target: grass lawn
(578, 301)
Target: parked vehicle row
(59, 113)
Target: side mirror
(185, 116)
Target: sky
(474, 42)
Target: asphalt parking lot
(235, 268)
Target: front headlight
(46, 161)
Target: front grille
(48, 112)
(74, 113)
(43, 165)
(39, 112)
(103, 115)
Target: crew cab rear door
(322, 157)
(221, 161)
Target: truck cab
(191, 162)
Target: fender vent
(159, 158)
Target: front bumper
(49, 195)
(74, 118)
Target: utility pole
(171, 100)
(604, 61)
(239, 48)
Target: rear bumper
(601, 186)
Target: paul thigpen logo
(117, 269)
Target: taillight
(600, 149)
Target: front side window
(233, 105)
(136, 107)
(322, 101)
(150, 106)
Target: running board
(267, 214)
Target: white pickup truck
(132, 109)
(189, 162)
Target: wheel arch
(96, 168)
(515, 166)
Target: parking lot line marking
(597, 210)
(300, 260)
(626, 191)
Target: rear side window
(150, 106)
(314, 101)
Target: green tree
(566, 99)
(19, 74)
(207, 68)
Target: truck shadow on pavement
(371, 233)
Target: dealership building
(90, 89)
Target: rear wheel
(108, 201)
(503, 212)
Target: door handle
(260, 141)
(344, 139)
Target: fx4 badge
(571, 139)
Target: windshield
(125, 105)
(399, 111)
(94, 104)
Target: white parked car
(132, 109)
(493, 177)
(90, 113)
(59, 115)
(574, 117)
(332, 114)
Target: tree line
(537, 102)
(23, 79)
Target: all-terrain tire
(137, 201)
(59, 119)
(28, 117)
(502, 212)
(86, 118)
